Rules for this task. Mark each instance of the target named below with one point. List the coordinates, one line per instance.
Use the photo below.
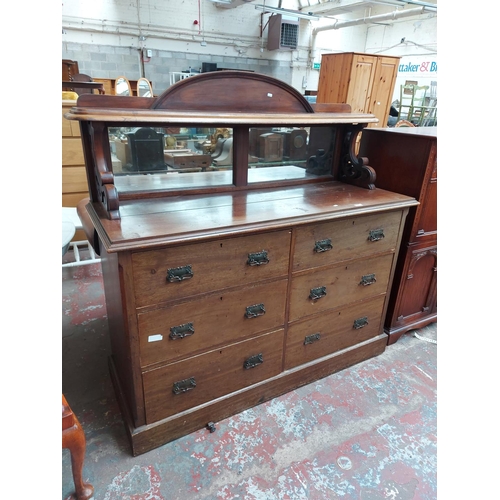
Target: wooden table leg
(73, 438)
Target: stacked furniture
(405, 161)
(74, 175)
(227, 288)
(109, 85)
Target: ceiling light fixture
(278, 10)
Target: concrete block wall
(106, 61)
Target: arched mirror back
(144, 88)
(122, 86)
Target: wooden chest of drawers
(223, 296)
(207, 328)
(74, 176)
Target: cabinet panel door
(419, 288)
(426, 227)
(427, 222)
(362, 77)
(383, 87)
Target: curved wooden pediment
(233, 91)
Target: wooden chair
(404, 123)
(69, 68)
(412, 103)
(81, 77)
(73, 438)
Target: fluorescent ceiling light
(286, 12)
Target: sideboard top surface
(153, 222)
(408, 131)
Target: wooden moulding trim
(150, 436)
(170, 117)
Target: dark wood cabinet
(405, 161)
(226, 288)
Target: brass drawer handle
(368, 279)
(323, 245)
(253, 361)
(179, 273)
(258, 258)
(185, 385)
(181, 331)
(312, 338)
(360, 323)
(317, 293)
(255, 310)
(376, 235)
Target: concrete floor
(367, 433)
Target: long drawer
(333, 287)
(183, 271)
(332, 331)
(331, 242)
(178, 386)
(186, 328)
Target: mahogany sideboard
(227, 287)
(405, 159)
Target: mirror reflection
(187, 157)
(144, 88)
(122, 86)
(283, 153)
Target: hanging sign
(420, 68)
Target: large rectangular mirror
(147, 158)
(193, 157)
(287, 153)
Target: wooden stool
(74, 439)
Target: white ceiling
(336, 7)
(331, 8)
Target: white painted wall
(418, 51)
(235, 35)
